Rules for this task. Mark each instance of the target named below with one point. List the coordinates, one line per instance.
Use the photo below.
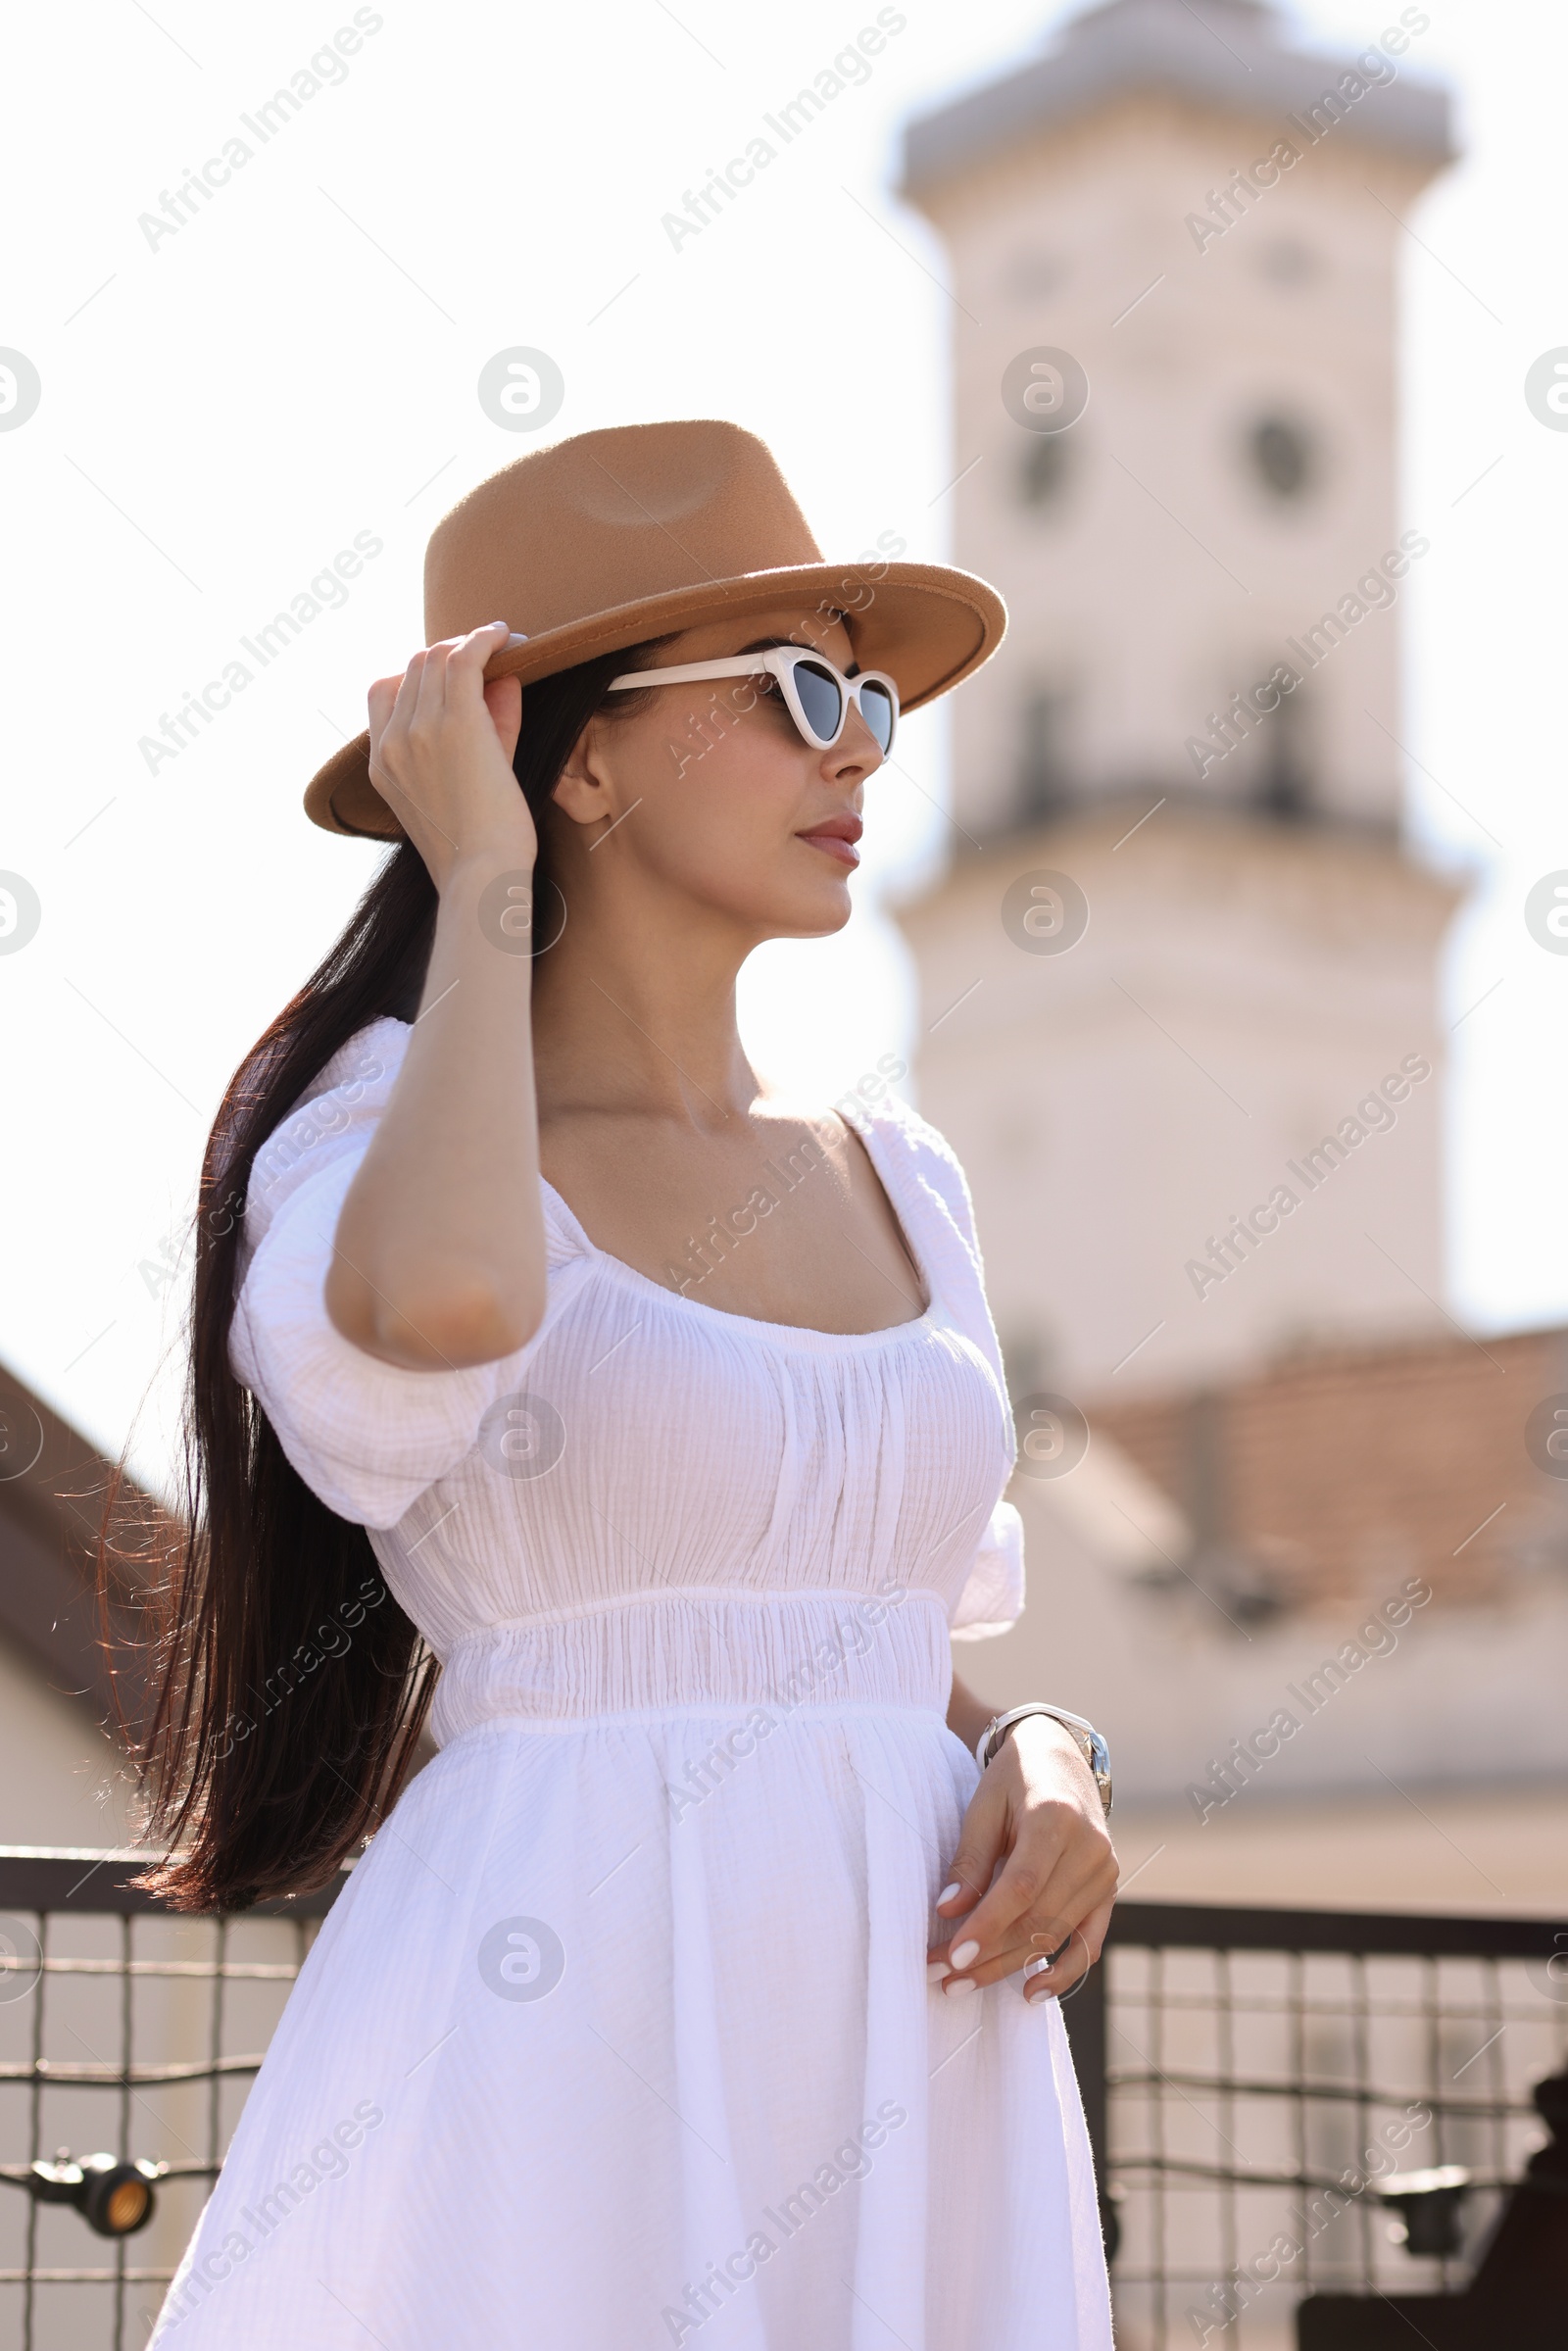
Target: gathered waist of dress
(676, 1649)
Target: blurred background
(1218, 920)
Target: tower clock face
(1283, 455)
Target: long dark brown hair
(287, 1689)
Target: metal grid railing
(1254, 2079)
(127, 2029)
(1250, 2079)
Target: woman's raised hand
(441, 748)
(440, 1247)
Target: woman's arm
(1036, 1811)
(440, 1247)
(967, 1715)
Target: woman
(704, 1984)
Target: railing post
(1084, 2015)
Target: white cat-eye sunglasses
(817, 696)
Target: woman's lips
(836, 838)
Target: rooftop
(53, 1489)
(1224, 54)
(1333, 1476)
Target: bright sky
(297, 364)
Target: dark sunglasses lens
(822, 699)
(879, 709)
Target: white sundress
(619, 2034)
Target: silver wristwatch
(1087, 1739)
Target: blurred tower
(1206, 224)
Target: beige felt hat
(612, 537)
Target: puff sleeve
(369, 1438)
(992, 1600)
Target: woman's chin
(825, 909)
(797, 905)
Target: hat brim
(928, 625)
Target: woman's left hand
(1036, 1811)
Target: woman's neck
(636, 1018)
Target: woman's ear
(582, 790)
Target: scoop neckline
(801, 1334)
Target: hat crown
(607, 518)
(611, 538)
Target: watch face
(1100, 1765)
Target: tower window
(1033, 272)
(1044, 468)
(1288, 263)
(1023, 1358)
(1042, 768)
(1282, 456)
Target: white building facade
(1196, 717)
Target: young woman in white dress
(704, 1987)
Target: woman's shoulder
(328, 1126)
(363, 1068)
(348, 1092)
(370, 1061)
(917, 1154)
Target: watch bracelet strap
(1083, 1734)
(996, 1731)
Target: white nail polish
(964, 1952)
(936, 1970)
(956, 1984)
(947, 1892)
(515, 639)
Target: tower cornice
(1290, 865)
(1129, 48)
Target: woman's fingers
(1050, 1975)
(981, 1842)
(391, 704)
(408, 689)
(389, 700)
(960, 1895)
(421, 696)
(503, 699)
(1060, 1878)
(1043, 1870)
(430, 688)
(1049, 1958)
(459, 663)
(441, 749)
(1052, 1958)
(383, 699)
(1047, 1975)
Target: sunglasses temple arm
(692, 673)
